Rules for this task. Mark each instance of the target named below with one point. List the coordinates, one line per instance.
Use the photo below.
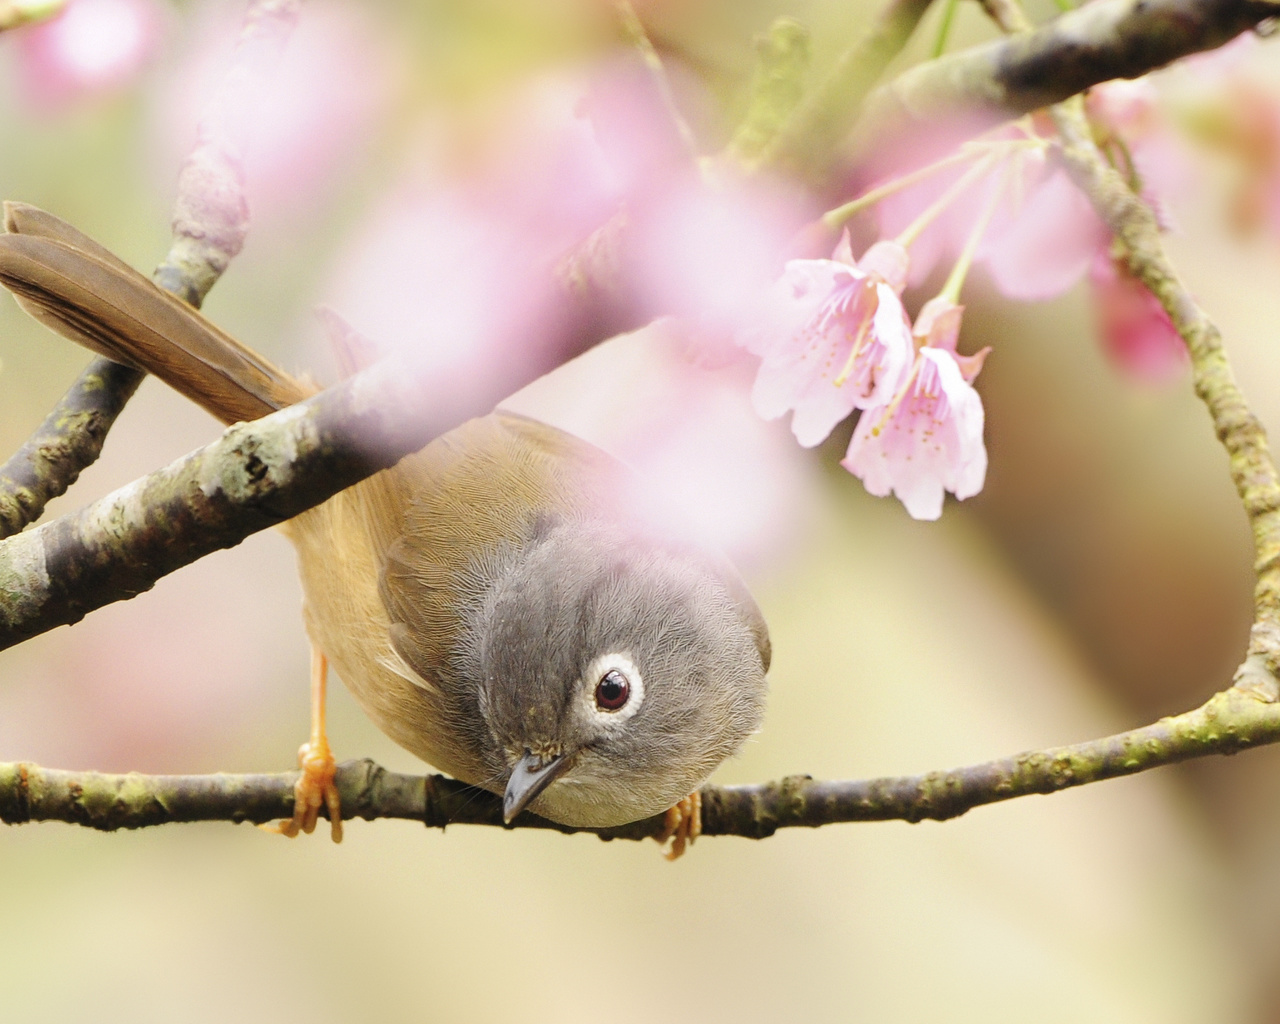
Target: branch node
(1256, 676)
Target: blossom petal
(791, 303)
(831, 339)
(926, 442)
(1048, 247)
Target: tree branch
(69, 440)
(1009, 77)
(1238, 718)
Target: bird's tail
(82, 291)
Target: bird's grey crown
(578, 590)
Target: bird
(500, 603)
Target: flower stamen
(897, 400)
(868, 306)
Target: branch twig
(69, 440)
(211, 214)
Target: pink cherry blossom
(1242, 120)
(833, 338)
(704, 252)
(1136, 332)
(928, 438)
(93, 46)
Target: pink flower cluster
(928, 438)
(834, 337)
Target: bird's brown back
(477, 493)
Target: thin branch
(1253, 469)
(1003, 79)
(18, 13)
(1234, 720)
(636, 35)
(69, 440)
(209, 224)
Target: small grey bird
(499, 603)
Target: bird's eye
(613, 691)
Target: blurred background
(1102, 578)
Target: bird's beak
(530, 776)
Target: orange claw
(316, 787)
(682, 826)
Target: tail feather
(82, 291)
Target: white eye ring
(596, 671)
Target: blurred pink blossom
(707, 464)
(92, 47)
(1136, 333)
(1046, 242)
(1041, 239)
(1241, 119)
(701, 241)
(437, 277)
(540, 164)
(315, 117)
(833, 337)
(634, 130)
(1044, 233)
(705, 251)
(927, 439)
(458, 268)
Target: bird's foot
(683, 825)
(315, 789)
